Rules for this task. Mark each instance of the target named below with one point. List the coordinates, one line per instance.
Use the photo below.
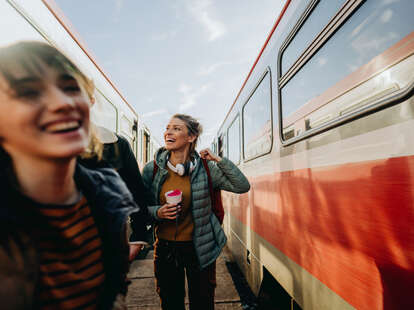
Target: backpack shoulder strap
(210, 185)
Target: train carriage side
(323, 129)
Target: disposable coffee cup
(174, 196)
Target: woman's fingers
(209, 155)
(169, 211)
(205, 153)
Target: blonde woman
(63, 242)
(189, 237)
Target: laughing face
(43, 116)
(176, 136)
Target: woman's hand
(134, 249)
(169, 211)
(209, 155)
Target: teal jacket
(208, 236)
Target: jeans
(172, 261)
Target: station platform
(142, 294)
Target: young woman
(62, 227)
(189, 237)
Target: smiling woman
(44, 107)
(57, 225)
(189, 237)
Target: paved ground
(142, 295)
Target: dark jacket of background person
(110, 203)
(119, 155)
(208, 235)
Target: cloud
(154, 113)
(322, 61)
(199, 9)
(207, 70)
(386, 16)
(119, 4)
(189, 96)
(359, 28)
(373, 41)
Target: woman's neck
(179, 156)
(46, 181)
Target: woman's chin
(68, 153)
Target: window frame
(240, 134)
(340, 18)
(262, 77)
(114, 106)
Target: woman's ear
(191, 139)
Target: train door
(127, 131)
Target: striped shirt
(71, 266)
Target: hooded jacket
(110, 203)
(208, 236)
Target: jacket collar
(162, 155)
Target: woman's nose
(58, 100)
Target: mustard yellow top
(166, 228)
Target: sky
(175, 56)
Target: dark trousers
(172, 261)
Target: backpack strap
(210, 185)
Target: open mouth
(169, 140)
(63, 127)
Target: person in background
(118, 154)
(62, 226)
(189, 237)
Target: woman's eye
(27, 93)
(71, 88)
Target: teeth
(62, 126)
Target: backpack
(215, 194)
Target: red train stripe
(351, 226)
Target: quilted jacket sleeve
(147, 178)
(226, 176)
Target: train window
(257, 120)
(233, 135)
(140, 140)
(314, 24)
(332, 81)
(126, 129)
(104, 113)
(222, 145)
(15, 28)
(146, 151)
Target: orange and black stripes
(71, 266)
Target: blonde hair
(194, 128)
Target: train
(42, 20)
(323, 129)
